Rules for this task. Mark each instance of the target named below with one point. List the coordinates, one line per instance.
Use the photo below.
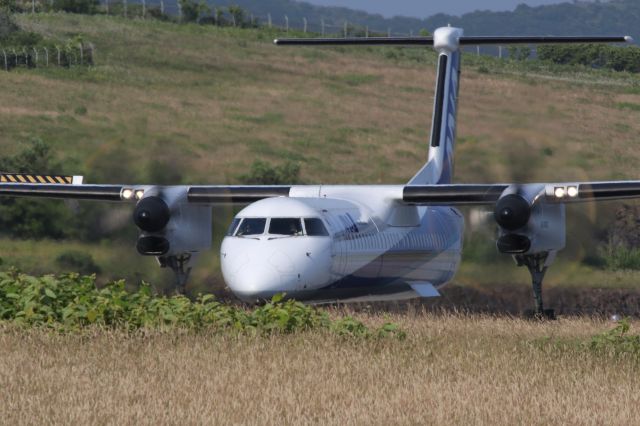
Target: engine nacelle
(170, 225)
(527, 224)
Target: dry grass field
(451, 369)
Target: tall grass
(451, 369)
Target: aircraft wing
(562, 192)
(65, 189)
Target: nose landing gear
(179, 266)
(537, 265)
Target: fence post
(26, 57)
(33, 6)
(180, 10)
(286, 23)
(322, 24)
(500, 52)
(269, 19)
(81, 54)
(58, 50)
(304, 20)
(6, 66)
(92, 54)
(478, 50)
(36, 52)
(346, 28)
(366, 33)
(124, 8)
(388, 32)
(46, 57)
(233, 19)
(162, 7)
(144, 9)
(106, 3)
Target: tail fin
(439, 167)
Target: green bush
(76, 6)
(262, 173)
(616, 341)
(74, 260)
(619, 257)
(7, 25)
(593, 55)
(28, 218)
(69, 302)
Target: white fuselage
(368, 250)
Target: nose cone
(253, 273)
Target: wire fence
(203, 13)
(47, 56)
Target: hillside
(570, 18)
(198, 104)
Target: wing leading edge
(562, 192)
(214, 194)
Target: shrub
(620, 257)
(265, 174)
(27, 218)
(7, 25)
(616, 341)
(75, 260)
(70, 302)
(76, 6)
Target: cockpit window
(251, 227)
(288, 226)
(315, 228)
(233, 227)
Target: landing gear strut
(537, 265)
(179, 266)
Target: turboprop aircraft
(323, 243)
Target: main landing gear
(179, 264)
(537, 265)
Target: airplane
(328, 243)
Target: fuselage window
(251, 227)
(286, 226)
(233, 226)
(315, 228)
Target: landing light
(572, 191)
(139, 194)
(559, 192)
(127, 194)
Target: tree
(7, 26)
(88, 7)
(22, 218)
(265, 174)
(192, 10)
(237, 15)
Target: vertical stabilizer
(439, 167)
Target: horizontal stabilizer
(424, 288)
(428, 41)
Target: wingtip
(276, 41)
(628, 39)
